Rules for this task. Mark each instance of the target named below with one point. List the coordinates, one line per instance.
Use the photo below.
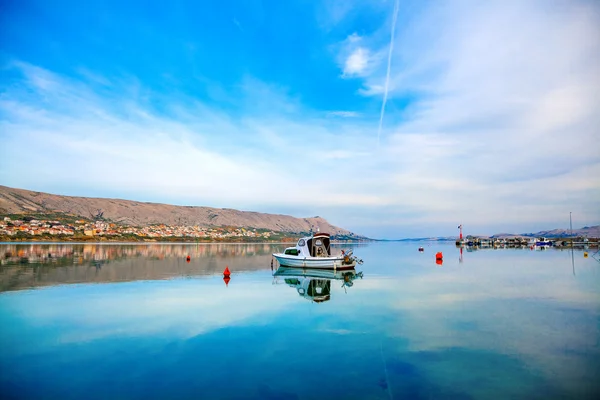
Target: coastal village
(29, 228)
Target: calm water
(139, 321)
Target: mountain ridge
(586, 231)
(137, 213)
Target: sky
(392, 119)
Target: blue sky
(491, 120)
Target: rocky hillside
(19, 201)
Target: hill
(586, 231)
(134, 213)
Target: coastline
(289, 242)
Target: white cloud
(345, 114)
(357, 62)
(356, 57)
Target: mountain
(135, 213)
(586, 231)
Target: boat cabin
(318, 245)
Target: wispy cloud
(237, 23)
(356, 58)
(357, 62)
(515, 119)
(490, 115)
(199, 154)
(345, 114)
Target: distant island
(36, 216)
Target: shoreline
(146, 242)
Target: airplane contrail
(389, 65)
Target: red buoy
(188, 258)
(439, 255)
(226, 273)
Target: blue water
(139, 321)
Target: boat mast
(572, 255)
(571, 223)
(571, 227)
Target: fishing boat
(542, 241)
(315, 284)
(315, 252)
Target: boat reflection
(315, 284)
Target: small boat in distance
(315, 252)
(542, 241)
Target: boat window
(301, 242)
(318, 242)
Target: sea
(142, 321)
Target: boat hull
(336, 263)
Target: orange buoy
(226, 273)
(439, 255)
(226, 279)
(188, 258)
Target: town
(28, 228)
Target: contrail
(389, 66)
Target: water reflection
(85, 253)
(32, 265)
(503, 324)
(315, 285)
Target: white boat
(315, 252)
